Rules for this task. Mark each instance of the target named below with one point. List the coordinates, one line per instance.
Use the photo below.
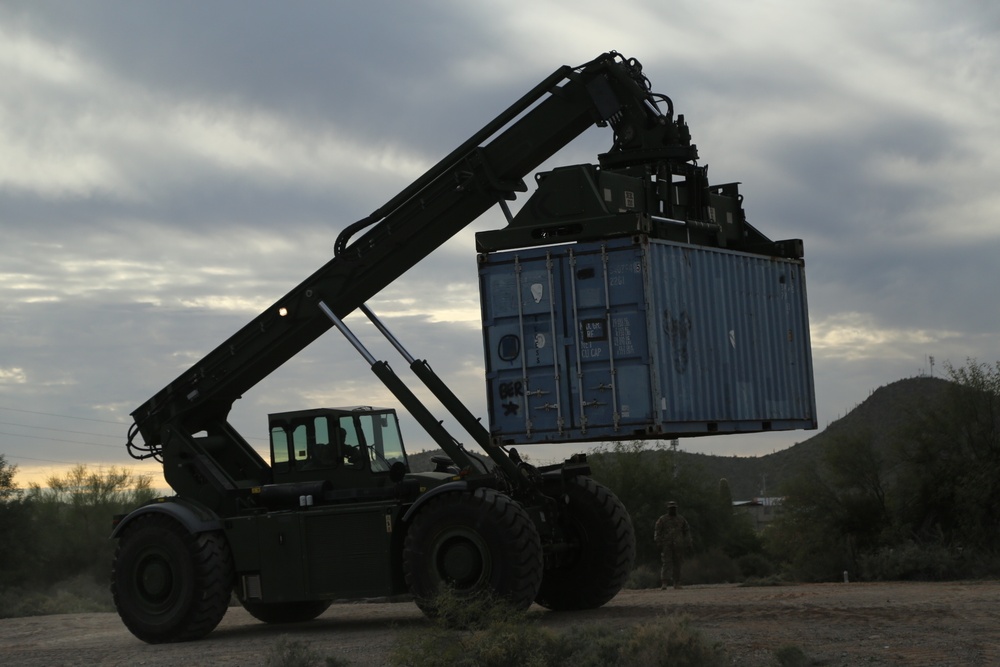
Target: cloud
(12, 375)
(856, 336)
(169, 170)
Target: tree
(836, 508)
(16, 548)
(646, 479)
(808, 537)
(73, 517)
(934, 497)
(7, 487)
(950, 485)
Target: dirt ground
(834, 624)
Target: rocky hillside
(884, 414)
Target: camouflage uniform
(673, 536)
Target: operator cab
(355, 446)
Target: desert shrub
(497, 635)
(914, 563)
(644, 576)
(669, 641)
(472, 630)
(710, 567)
(792, 656)
(646, 479)
(72, 520)
(755, 565)
(772, 580)
(80, 594)
(292, 653)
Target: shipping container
(637, 338)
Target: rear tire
(167, 584)
(471, 544)
(599, 527)
(285, 612)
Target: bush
(288, 653)
(755, 566)
(498, 635)
(469, 631)
(81, 594)
(757, 582)
(910, 562)
(644, 576)
(710, 567)
(792, 656)
(72, 520)
(669, 640)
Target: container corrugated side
(643, 339)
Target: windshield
(379, 434)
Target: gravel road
(834, 624)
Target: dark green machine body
(336, 513)
(330, 525)
(341, 489)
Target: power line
(89, 419)
(72, 442)
(61, 430)
(52, 414)
(32, 458)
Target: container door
(609, 351)
(522, 322)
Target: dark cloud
(351, 62)
(172, 168)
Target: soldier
(673, 536)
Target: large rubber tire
(472, 543)
(285, 612)
(600, 530)
(167, 584)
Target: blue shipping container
(639, 338)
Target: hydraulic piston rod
(452, 403)
(404, 395)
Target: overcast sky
(168, 170)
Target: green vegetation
(489, 633)
(792, 656)
(56, 553)
(645, 480)
(920, 504)
(907, 486)
(291, 653)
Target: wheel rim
(153, 580)
(461, 559)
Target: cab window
(279, 445)
(301, 442)
(352, 441)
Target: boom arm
(485, 170)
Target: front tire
(167, 584)
(473, 543)
(600, 531)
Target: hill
(883, 415)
